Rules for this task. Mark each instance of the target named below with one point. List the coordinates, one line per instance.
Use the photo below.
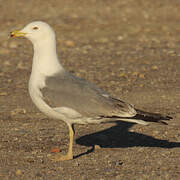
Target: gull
(61, 95)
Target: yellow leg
(69, 154)
(71, 138)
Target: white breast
(35, 85)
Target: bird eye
(35, 28)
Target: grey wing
(66, 90)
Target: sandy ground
(129, 48)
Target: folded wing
(66, 90)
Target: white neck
(45, 59)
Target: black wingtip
(152, 117)
(162, 122)
(165, 118)
(168, 118)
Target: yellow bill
(17, 34)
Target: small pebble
(55, 150)
(3, 94)
(135, 73)
(142, 76)
(7, 63)
(69, 43)
(96, 147)
(18, 111)
(155, 67)
(119, 38)
(18, 172)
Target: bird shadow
(119, 136)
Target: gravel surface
(130, 49)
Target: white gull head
(45, 59)
(38, 31)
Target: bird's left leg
(69, 154)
